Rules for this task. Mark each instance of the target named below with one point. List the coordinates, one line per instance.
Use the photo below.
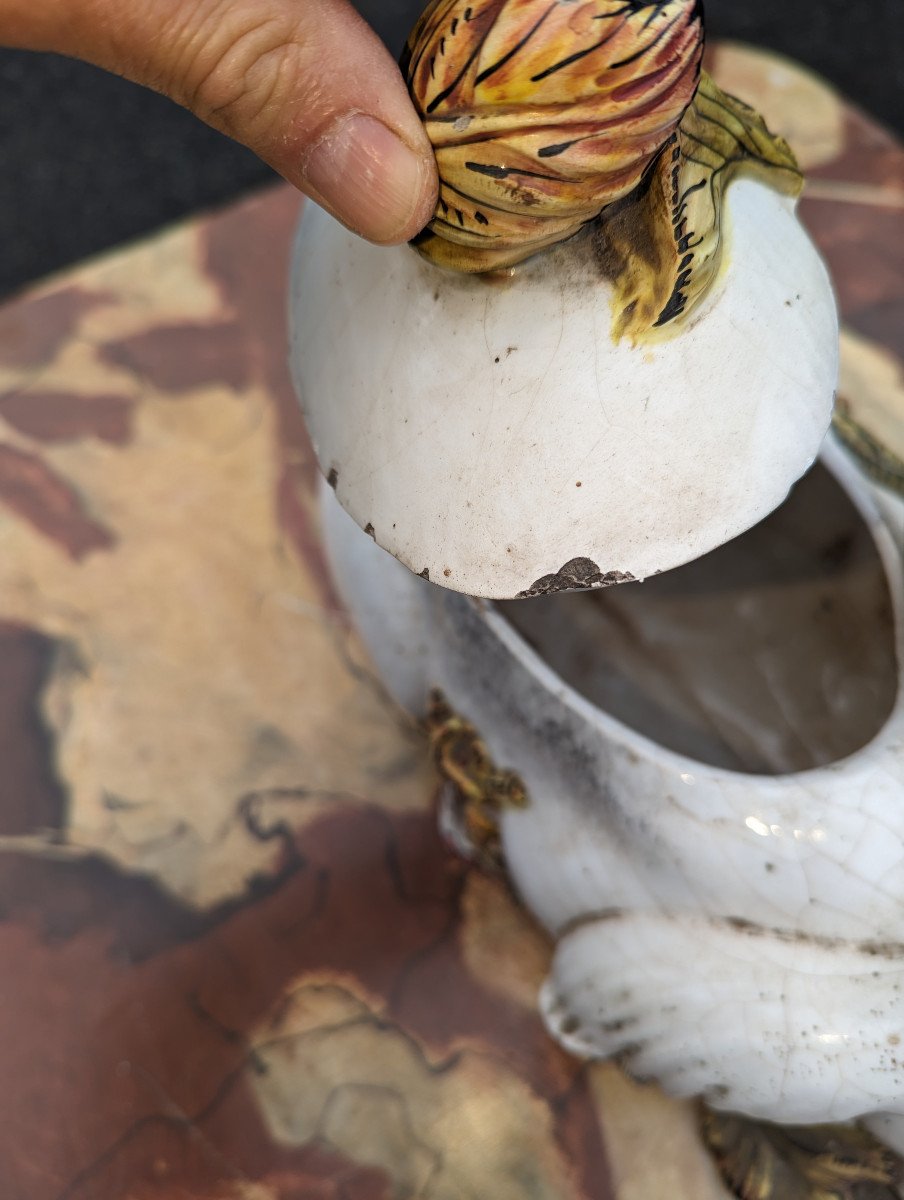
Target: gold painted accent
(869, 416)
(878, 460)
(482, 791)
(759, 1161)
(662, 246)
(541, 112)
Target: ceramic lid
(495, 439)
(616, 349)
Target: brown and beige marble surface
(237, 959)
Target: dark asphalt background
(89, 161)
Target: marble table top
(239, 963)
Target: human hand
(306, 84)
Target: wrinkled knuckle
(241, 79)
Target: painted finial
(543, 112)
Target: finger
(306, 84)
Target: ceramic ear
(703, 1007)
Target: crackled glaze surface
(652, 381)
(783, 889)
(522, 403)
(767, 855)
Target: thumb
(305, 84)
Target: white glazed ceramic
(491, 433)
(713, 759)
(729, 933)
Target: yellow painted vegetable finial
(543, 112)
